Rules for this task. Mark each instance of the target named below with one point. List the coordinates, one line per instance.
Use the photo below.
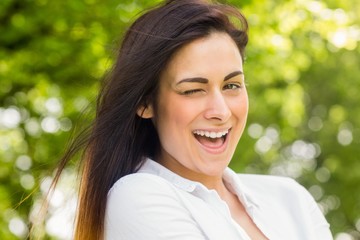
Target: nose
(217, 108)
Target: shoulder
(138, 189)
(290, 202)
(145, 206)
(265, 178)
(138, 181)
(274, 183)
(280, 193)
(277, 188)
(133, 203)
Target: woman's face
(201, 108)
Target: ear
(145, 111)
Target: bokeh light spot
(23, 162)
(343, 236)
(255, 130)
(344, 137)
(10, 117)
(27, 181)
(18, 227)
(50, 125)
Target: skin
(203, 89)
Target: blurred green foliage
(302, 72)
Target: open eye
(232, 86)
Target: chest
(242, 218)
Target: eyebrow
(233, 74)
(204, 80)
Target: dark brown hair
(119, 140)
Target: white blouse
(156, 204)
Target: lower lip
(216, 150)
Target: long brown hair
(119, 140)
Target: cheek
(173, 121)
(176, 112)
(240, 106)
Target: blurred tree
(302, 71)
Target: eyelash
(229, 86)
(232, 86)
(189, 92)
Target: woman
(168, 120)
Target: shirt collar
(234, 183)
(152, 167)
(230, 178)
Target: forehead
(213, 56)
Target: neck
(213, 182)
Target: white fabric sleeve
(321, 226)
(286, 209)
(143, 206)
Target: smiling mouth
(211, 139)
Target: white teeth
(211, 134)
